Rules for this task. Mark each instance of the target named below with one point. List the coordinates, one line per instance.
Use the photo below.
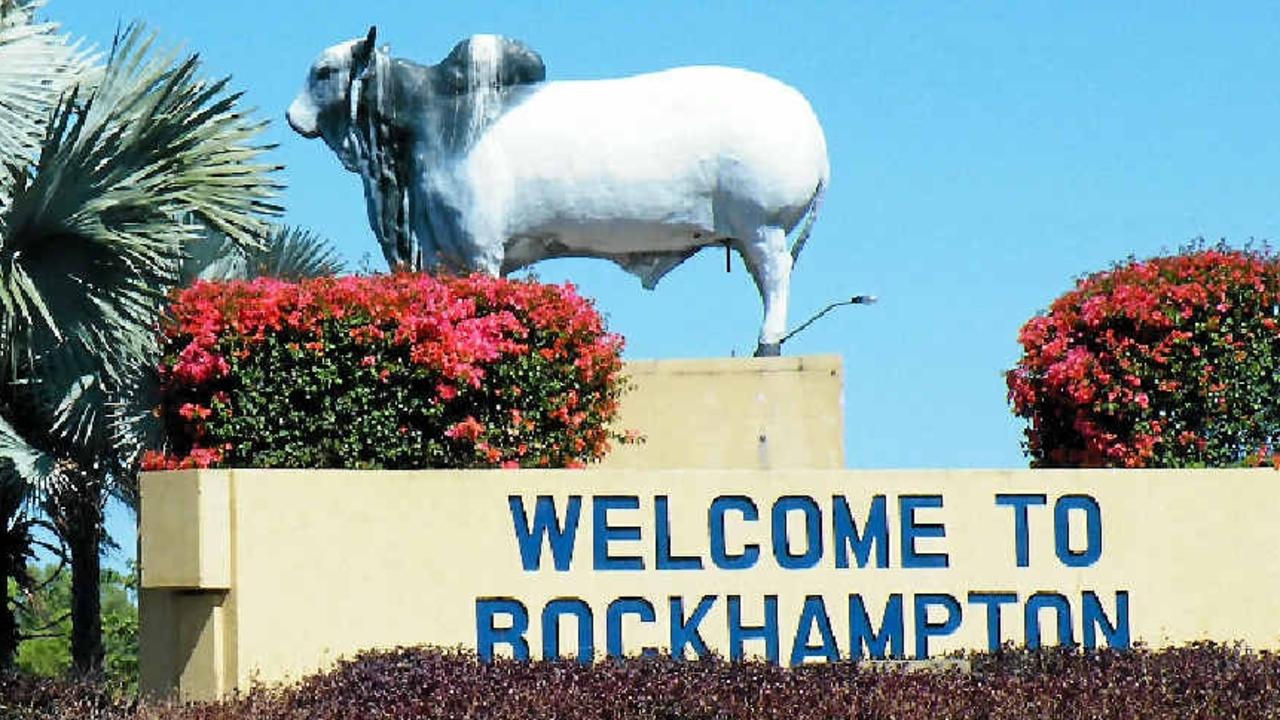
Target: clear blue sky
(983, 155)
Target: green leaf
(34, 467)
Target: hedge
(1168, 362)
(386, 372)
(1198, 681)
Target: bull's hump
(695, 104)
(692, 77)
(695, 89)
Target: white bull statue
(478, 164)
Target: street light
(855, 300)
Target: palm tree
(134, 164)
(37, 65)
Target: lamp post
(855, 300)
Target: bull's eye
(324, 72)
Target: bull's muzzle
(302, 118)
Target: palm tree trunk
(13, 555)
(87, 654)
(78, 513)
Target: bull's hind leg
(765, 253)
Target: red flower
(468, 429)
(191, 411)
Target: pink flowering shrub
(1168, 362)
(395, 371)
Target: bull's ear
(363, 52)
(520, 64)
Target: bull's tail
(811, 215)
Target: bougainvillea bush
(1167, 362)
(394, 371)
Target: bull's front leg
(466, 238)
(769, 262)
(450, 239)
(482, 252)
(384, 203)
(483, 237)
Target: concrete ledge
(188, 546)
(723, 366)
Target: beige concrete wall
(262, 576)
(744, 413)
(325, 563)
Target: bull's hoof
(768, 349)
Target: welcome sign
(820, 541)
(284, 571)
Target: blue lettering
(547, 525)
(875, 532)
(1021, 543)
(739, 633)
(1031, 618)
(864, 642)
(551, 628)
(1095, 618)
(1062, 530)
(603, 533)
(911, 531)
(926, 629)
(814, 616)
(666, 561)
(685, 631)
(488, 634)
(993, 601)
(613, 623)
(715, 520)
(813, 532)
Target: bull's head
(323, 108)
(382, 118)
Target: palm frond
(37, 65)
(288, 253)
(56, 402)
(135, 427)
(35, 468)
(90, 243)
(294, 254)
